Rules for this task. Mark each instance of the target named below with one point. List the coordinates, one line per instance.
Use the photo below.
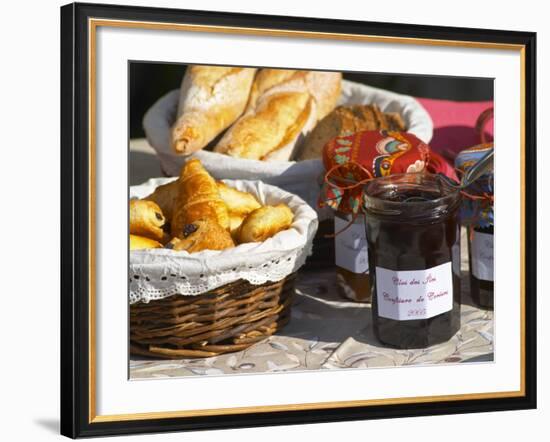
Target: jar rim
(450, 196)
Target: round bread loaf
(344, 121)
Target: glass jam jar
(480, 250)
(352, 259)
(414, 244)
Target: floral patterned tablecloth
(327, 332)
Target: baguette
(284, 105)
(211, 99)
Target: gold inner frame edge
(92, 27)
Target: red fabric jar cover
(351, 161)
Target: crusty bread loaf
(211, 98)
(395, 122)
(344, 121)
(283, 106)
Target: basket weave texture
(227, 319)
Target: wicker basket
(227, 319)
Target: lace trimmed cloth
(159, 273)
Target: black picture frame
(75, 219)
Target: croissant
(265, 222)
(140, 242)
(211, 99)
(238, 203)
(202, 235)
(146, 219)
(165, 196)
(198, 198)
(235, 222)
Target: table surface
(325, 331)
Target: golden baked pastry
(324, 87)
(166, 197)
(235, 222)
(237, 202)
(146, 219)
(211, 99)
(198, 198)
(283, 105)
(346, 120)
(265, 222)
(203, 234)
(274, 122)
(140, 242)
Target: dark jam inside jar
(412, 231)
(480, 249)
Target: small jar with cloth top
(477, 215)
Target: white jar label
(414, 294)
(351, 246)
(482, 255)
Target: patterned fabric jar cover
(477, 203)
(351, 161)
